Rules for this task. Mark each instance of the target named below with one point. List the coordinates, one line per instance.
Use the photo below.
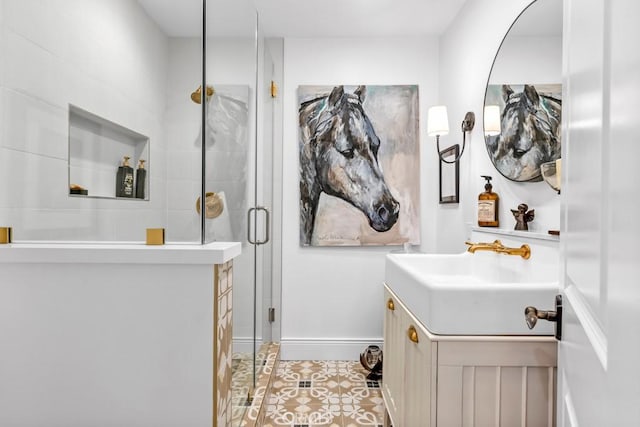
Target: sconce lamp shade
(437, 121)
(492, 120)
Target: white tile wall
(109, 58)
(183, 225)
(228, 158)
(104, 56)
(23, 185)
(32, 125)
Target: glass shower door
(235, 166)
(265, 219)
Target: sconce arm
(457, 157)
(467, 126)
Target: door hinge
(274, 89)
(272, 314)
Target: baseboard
(325, 349)
(243, 345)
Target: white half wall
(106, 344)
(332, 297)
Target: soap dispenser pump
(488, 205)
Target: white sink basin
(473, 294)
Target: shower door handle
(253, 242)
(267, 225)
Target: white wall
(332, 297)
(106, 57)
(182, 123)
(467, 50)
(528, 59)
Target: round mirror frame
(529, 97)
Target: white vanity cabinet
(408, 366)
(455, 380)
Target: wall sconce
(492, 120)
(438, 124)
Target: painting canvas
(530, 129)
(359, 165)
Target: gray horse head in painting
(339, 156)
(530, 135)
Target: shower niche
(97, 148)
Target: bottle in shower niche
(124, 179)
(141, 179)
(488, 205)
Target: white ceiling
(333, 18)
(306, 18)
(356, 18)
(183, 18)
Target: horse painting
(530, 132)
(339, 156)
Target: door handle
(532, 314)
(253, 242)
(267, 225)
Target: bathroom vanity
(116, 334)
(457, 350)
(464, 380)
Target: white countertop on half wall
(118, 253)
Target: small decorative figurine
(522, 216)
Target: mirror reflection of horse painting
(339, 156)
(530, 136)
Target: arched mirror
(523, 105)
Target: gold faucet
(524, 251)
(473, 247)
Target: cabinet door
(497, 383)
(393, 357)
(419, 374)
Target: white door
(599, 355)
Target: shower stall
(183, 89)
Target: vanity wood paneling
(465, 380)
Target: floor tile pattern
(323, 393)
(242, 368)
(251, 413)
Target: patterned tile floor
(241, 378)
(246, 413)
(323, 393)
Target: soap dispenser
(124, 179)
(141, 178)
(488, 205)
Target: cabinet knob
(390, 305)
(412, 334)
